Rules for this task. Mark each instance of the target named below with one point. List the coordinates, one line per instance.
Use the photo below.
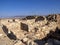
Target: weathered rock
(31, 28)
(39, 18)
(25, 39)
(19, 43)
(30, 17)
(24, 27)
(58, 21)
(51, 18)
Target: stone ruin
(31, 30)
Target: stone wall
(30, 27)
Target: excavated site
(30, 30)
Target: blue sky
(28, 7)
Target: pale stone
(25, 39)
(19, 43)
(1, 35)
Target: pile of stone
(31, 30)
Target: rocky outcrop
(31, 30)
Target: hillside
(30, 30)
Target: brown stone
(30, 17)
(24, 27)
(39, 18)
(51, 18)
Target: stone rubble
(32, 30)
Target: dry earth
(31, 30)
